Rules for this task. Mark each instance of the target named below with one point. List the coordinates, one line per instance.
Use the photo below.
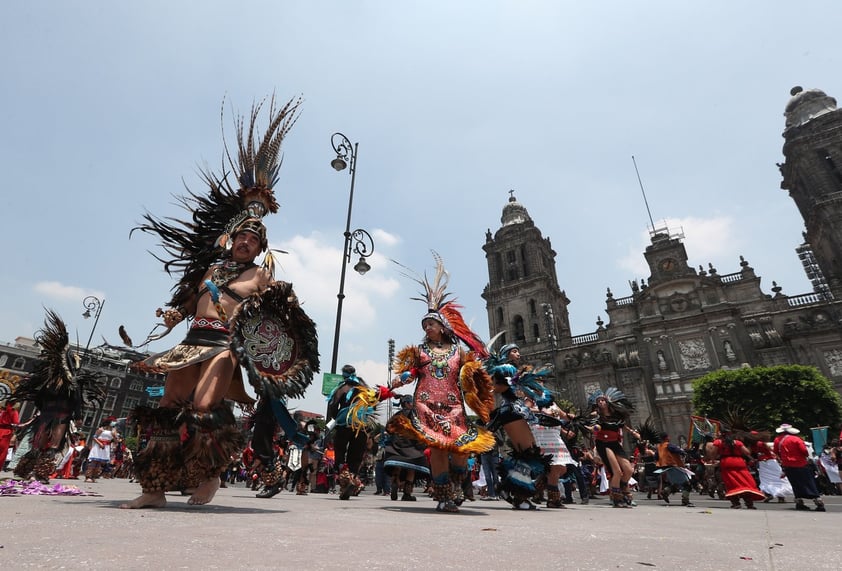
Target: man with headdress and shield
(239, 316)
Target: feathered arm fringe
(408, 360)
(362, 413)
(476, 384)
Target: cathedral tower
(812, 173)
(522, 297)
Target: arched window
(115, 383)
(500, 323)
(533, 308)
(520, 333)
(535, 332)
(20, 363)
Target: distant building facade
(126, 387)
(682, 323)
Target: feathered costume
(350, 409)
(608, 435)
(268, 332)
(521, 472)
(59, 388)
(445, 382)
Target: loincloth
(205, 340)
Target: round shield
(275, 341)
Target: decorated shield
(276, 342)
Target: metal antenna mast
(643, 192)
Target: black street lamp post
(95, 305)
(358, 241)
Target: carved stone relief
(833, 358)
(694, 354)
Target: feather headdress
(617, 400)
(57, 373)
(442, 308)
(649, 432)
(527, 380)
(193, 245)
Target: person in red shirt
(9, 419)
(793, 456)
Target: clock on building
(668, 265)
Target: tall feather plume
(192, 245)
(434, 294)
(451, 312)
(57, 373)
(649, 432)
(258, 164)
(438, 300)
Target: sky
(109, 109)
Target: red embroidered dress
(443, 382)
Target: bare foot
(204, 492)
(146, 500)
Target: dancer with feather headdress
(58, 387)
(611, 410)
(239, 315)
(446, 377)
(350, 413)
(526, 466)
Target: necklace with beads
(439, 358)
(227, 271)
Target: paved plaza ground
(318, 531)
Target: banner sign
(700, 425)
(329, 382)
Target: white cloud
(384, 238)
(62, 292)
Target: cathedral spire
(514, 212)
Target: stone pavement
(318, 531)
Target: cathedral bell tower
(812, 173)
(522, 297)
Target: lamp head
(338, 163)
(87, 314)
(362, 267)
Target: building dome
(514, 213)
(806, 105)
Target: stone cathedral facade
(683, 322)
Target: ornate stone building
(126, 387)
(682, 322)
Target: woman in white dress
(100, 454)
(773, 483)
(830, 466)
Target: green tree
(769, 396)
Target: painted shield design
(276, 342)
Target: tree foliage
(769, 396)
